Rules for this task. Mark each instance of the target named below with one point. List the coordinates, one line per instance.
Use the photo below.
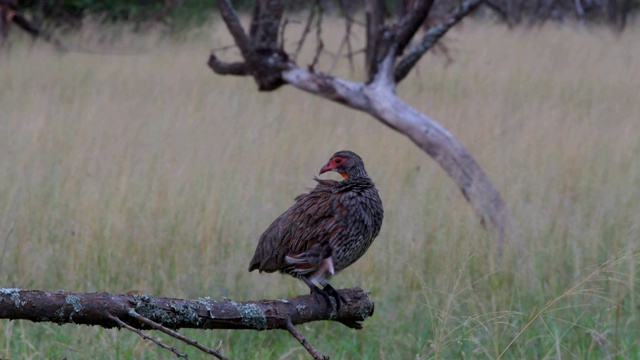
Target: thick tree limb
(377, 97)
(263, 57)
(223, 68)
(142, 312)
(235, 28)
(97, 309)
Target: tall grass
(144, 171)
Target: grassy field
(145, 172)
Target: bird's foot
(329, 292)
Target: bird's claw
(329, 292)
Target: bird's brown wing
(313, 218)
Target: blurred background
(127, 165)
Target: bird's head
(346, 163)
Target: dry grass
(145, 171)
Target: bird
(326, 230)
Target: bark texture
(99, 309)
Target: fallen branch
(144, 312)
(62, 307)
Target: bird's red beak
(325, 169)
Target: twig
(305, 32)
(347, 38)
(431, 37)
(147, 337)
(285, 22)
(224, 48)
(176, 335)
(319, 43)
(306, 344)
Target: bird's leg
(328, 289)
(327, 292)
(316, 290)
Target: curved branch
(380, 101)
(377, 97)
(223, 68)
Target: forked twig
(176, 335)
(317, 355)
(431, 37)
(147, 337)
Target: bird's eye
(338, 161)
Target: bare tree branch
(143, 312)
(380, 101)
(222, 68)
(431, 37)
(97, 308)
(148, 337)
(306, 344)
(375, 24)
(176, 335)
(235, 28)
(378, 98)
(348, 20)
(266, 23)
(305, 32)
(411, 22)
(319, 42)
(264, 59)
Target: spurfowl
(326, 230)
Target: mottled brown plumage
(326, 230)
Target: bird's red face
(335, 164)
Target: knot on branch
(266, 67)
(264, 58)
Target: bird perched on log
(326, 230)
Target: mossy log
(98, 309)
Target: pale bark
(380, 100)
(387, 64)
